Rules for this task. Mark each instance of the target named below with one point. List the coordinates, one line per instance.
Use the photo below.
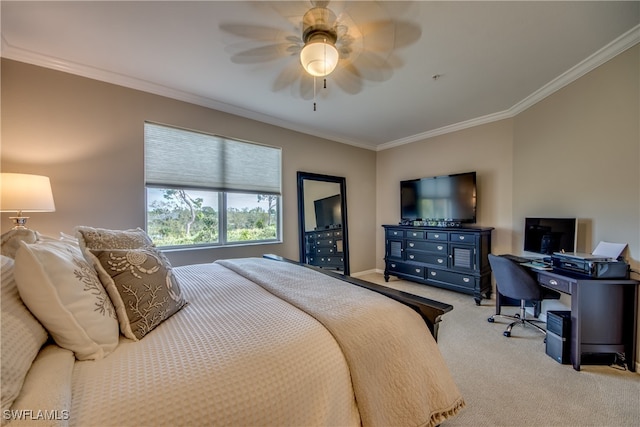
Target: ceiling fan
(351, 42)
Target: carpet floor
(512, 381)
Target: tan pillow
(22, 336)
(63, 291)
(103, 238)
(141, 285)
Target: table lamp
(25, 193)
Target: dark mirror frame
(302, 176)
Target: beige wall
(486, 149)
(87, 136)
(575, 154)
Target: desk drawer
(554, 282)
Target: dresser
(324, 248)
(452, 258)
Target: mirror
(322, 217)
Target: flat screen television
(328, 212)
(446, 198)
(549, 235)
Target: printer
(591, 266)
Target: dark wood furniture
(312, 186)
(324, 249)
(603, 314)
(430, 310)
(450, 258)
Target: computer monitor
(548, 235)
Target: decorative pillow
(12, 238)
(102, 238)
(63, 291)
(22, 336)
(141, 285)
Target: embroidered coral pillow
(63, 291)
(141, 285)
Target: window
(206, 190)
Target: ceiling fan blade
(348, 79)
(287, 77)
(253, 32)
(306, 88)
(373, 67)
(407, 33)
(260, 54)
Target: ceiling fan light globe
(319, 58)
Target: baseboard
(365, 272)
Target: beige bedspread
(235, 356)
(399, 376)
(261, 343)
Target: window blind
(179, 158)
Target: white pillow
(22, 336)
(63, 291)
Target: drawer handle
(437, 236)
(412, 244)
(553, 282)
(331, 250)
(393, 266)
(414, 234)
(466, 279)
(395, 233)
(433, 273)
(330, 241)
(411, 256)
(440, 247)
(440, 260)
(461, 237)
(417, 270)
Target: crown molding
(619, 45)
(11, 52)
(608, 52)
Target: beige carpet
(512, 381)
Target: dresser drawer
(405, 268)
(423, 245)
(462, 280)
(437, 235)
(427, 258)
(395, 232)
(462, 237)
(554, 282)
(413, 234)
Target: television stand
(454, 258)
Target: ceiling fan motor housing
(319, 22)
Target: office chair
(514, 281)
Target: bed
(239, 342)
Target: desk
(603, 314)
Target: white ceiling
(493, 59)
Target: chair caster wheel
(491, 320)
(506, 334)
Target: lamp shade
(319, 57)
(24, 192)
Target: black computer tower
(559, 336)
